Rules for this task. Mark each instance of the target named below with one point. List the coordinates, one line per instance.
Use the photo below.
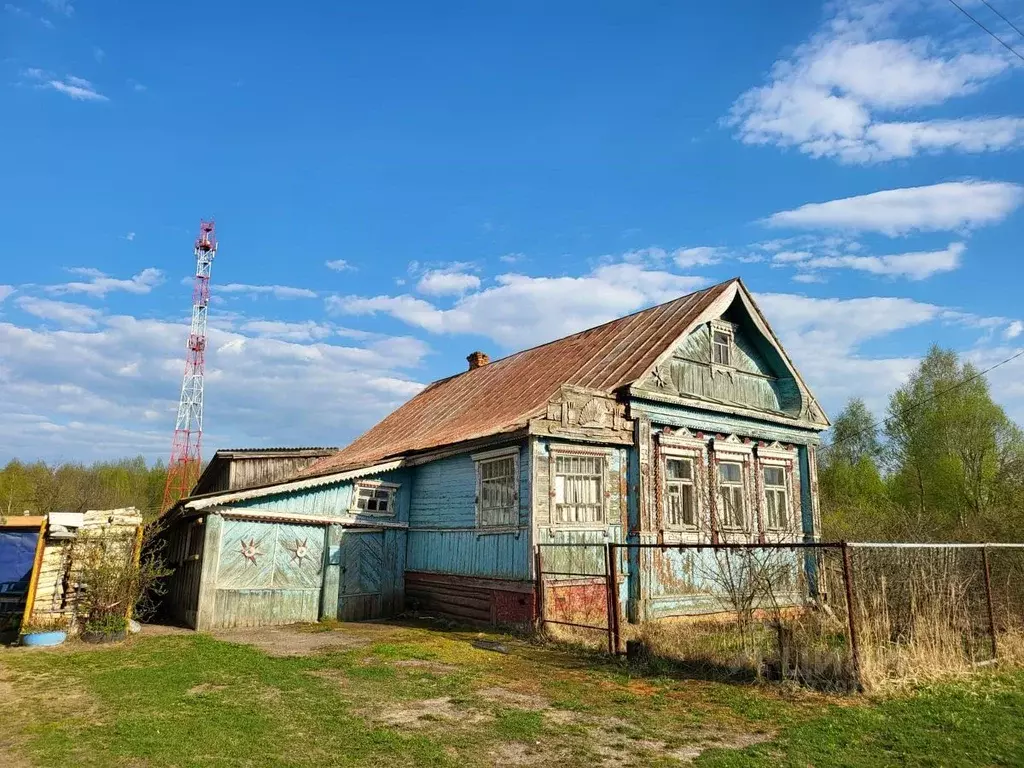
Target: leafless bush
(118, 576)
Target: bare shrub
(118, 576)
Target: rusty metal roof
(505, 394)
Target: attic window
(374, 498)
(721, 344)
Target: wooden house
(232, 469)
(686, 422)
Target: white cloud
(65, 314)
(947, 206)
(521, 311)
(276, 329)
(120, 378)
(443, 283)
(915, 266)
(1013, 330)
(130, 236)
(78, 88)
(277, 291)
(512, 258)
(5, 291)
(789, 257)
(808, 277)
(837, 95)
(686, 258)
(98, 53)
(825, 337)
(136, 86)
(64, 7)
(16, 10)
(100, 284)
(339, 265)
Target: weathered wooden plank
(265, 607)
(332, 573)
(206, 608)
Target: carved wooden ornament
(250, 550)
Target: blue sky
(398, 184)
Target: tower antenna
(186, 448)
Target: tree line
(39, 488)
(945, 464)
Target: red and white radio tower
(186, 449)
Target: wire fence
(827, 615)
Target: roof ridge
(651, 308)
(507, 392)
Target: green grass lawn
(396, 695)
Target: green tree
(953, 455)
(852, 491)
(40, 488)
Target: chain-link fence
(782, 611)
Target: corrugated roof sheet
(505, 394)
(285, 450)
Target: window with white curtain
(776, 504)
(579, 489)
(730, 495)
(680, 511)
(497, 492)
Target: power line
(933, 396)
(997, 13)
(994, 36)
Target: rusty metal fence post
(538, 567)
(852, 621)
(609, 581)
(614, 601)
(988, 602)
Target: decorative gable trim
(588, 415)
(810, 412)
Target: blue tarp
(17, 555)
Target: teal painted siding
(688, 582)
(692, 582)
(468, 553)
(332, 500)
(443, 534)
(268, 573)
(274, 586)
(588, 559)
(695, 419)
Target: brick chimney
(478, 360)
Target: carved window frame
(556, 452)
(732, 450)
(682, 445)
(787, 460)
(374, 486)
(490, 457)
(722, 326)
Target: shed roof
(504, 395)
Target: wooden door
(363, 570)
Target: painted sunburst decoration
(250, 550)
(299, 550)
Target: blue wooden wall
(333, 499)
(589, 559)
(443, 534)
(692, 582)
(274, 586)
